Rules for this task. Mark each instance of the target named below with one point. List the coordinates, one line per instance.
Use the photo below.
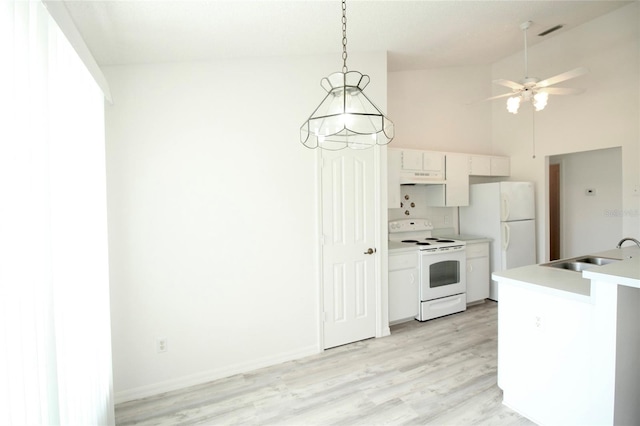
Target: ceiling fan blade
(490, 99)
(501, 96)
(508, 83)
(562, 91)
(562, 77)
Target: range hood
(422, 178)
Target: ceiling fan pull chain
(533, 133)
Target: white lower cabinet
(403, 286)
(478, 274)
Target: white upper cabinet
(411, 160)
(456, 190)
(445, 176)
(500, 166)
(422, 166)
(433, 162)
(487, 165)
(479, 165)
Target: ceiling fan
(533, 90)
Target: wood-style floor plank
(439, 372)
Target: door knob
(370, 251)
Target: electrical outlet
(539, 324)
(446, 220)
(161, 344)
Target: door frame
(554, 194)
(380, 238)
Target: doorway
(587, 192)
(554, 211)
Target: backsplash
(414, 205)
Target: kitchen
(161, 140)
(412, 97)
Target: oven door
(443, 273)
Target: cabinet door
(477, 279)
(478, 272)
(457, 188)
(433, 161)
(455, 192)
(411, 160)
(479, 165)
(500, 166)
(403, 294)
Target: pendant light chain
(344, 36)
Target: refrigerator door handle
(505, 237)
(505, 208)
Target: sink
(572, 266)
(596, 260)
(579, 264)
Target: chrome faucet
(628, 239)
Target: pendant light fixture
(346, 118)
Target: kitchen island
(569, 342)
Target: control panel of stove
(410, 225)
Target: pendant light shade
(346, 118)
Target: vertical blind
(55, 347)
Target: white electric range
(442, 289)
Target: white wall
(435, 109)
(589, 221)
(605, 116)
(440, 110)
(213, 216)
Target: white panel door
(348, 226)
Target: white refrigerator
(504, 212)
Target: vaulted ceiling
(417, 34)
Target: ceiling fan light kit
(530, 89)
(346, 117)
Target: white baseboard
(210, 375)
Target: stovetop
(417, 233)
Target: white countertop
(626, 272)
(554, 280)
(576, 285)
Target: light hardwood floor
(439, 372)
